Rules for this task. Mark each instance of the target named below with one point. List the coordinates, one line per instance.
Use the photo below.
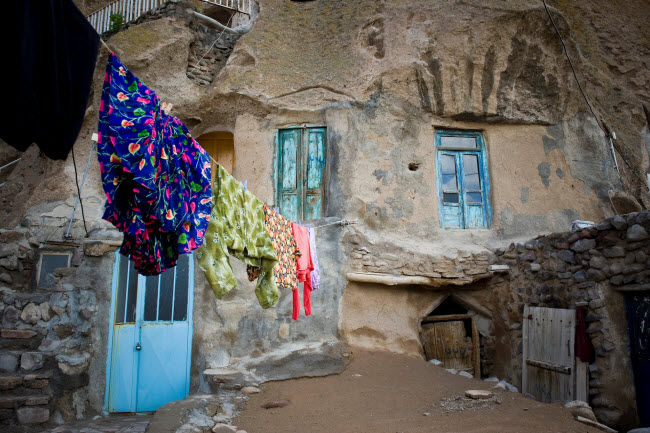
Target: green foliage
(117, 21)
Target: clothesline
(342, 222)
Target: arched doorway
(221, 146)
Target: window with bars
(300, 172)
(463, 181)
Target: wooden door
(221, 146)
(638, 319)
(448, 342)
(548, 370)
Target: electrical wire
(76, 180)
(584, 95)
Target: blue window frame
(300, 172)
(463, 181)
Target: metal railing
(131, 10)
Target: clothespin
(94, 137)
(245, 184)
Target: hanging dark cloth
(584, 348)
(49, 56)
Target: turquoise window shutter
(300, 172)
(315, 166)
(289, 185)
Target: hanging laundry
(285, 247)
(50, 50)
(155, 175)
(315, 274)
(304, 268)
(237, 227)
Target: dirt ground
(382, 392)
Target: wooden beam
(549, 366)
(429, 319)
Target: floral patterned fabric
(155, 175)
(237, 227)
(286, 249)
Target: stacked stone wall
(594, 267)
(48, 338)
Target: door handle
(137, 346)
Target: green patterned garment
(237, 227)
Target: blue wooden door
(638, 318)
(150, 354)
(300, 171)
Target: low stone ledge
(410, 280)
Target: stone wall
(52, 341)
(595, 266)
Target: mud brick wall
(594, 266)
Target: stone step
(15, 401)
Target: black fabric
(49, 56)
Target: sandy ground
(382, 392)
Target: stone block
(596, 303)
(8, 362)
(595, 275)
(616, 268)
(37, 383)
(616, 280)
(32, 415)
(636, 233)
(615, 251)
(45, 311)
(598, 262)
(632, 269)
(17, 333)
(10, 382)
(31, 361)
(31, 313)
(567, 256)
(37, 400)
(582, 245)
(580, 276)
(618, 222)
(6, 278)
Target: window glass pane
(151, 298)
(50, 262)
(460, 141)
(473, 198)
(122, 274)
(182, 281)
(448, 197)
(448, 169)
(470, 169)
(132, 295)
(166, 294)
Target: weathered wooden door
(448, 341)
(638, 319)
(220, 145)
(149, 360)
(548, 371)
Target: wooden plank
(524, 348)
(430, 319)
(548, 370)
(582, 380)
(476, 350)
(447, 342)
(549, 366)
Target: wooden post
(477, 350)
(524, 350)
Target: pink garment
(304, 267)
